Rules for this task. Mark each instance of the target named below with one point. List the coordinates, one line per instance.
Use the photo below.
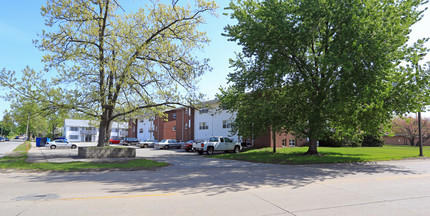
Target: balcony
(88, 132)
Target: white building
(213, 121)
(87, 131)
(145, 127)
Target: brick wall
(132, 128)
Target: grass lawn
(17, 160)
(327, 155)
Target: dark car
(129, 141)
(1, 139)
(6, 139)
(114, 140)
(188, 146)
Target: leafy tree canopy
(112, 63)
(339, 63)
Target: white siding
(144, 127)
(214, 120)
(79, 135)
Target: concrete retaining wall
(100, 152)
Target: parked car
(114, 140)
(217, 144)
(167, 144)
(60, 138)
(6, 139)
(1, 139)
(147, 143)
(129, 141)
(188, 146)
(60, 143)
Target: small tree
(408, 127)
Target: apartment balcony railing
(88, 132)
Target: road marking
(403, 177)
(116, 197)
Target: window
(140, 130)
(115, 130)
(227, 139)
(73, 137)
(174, 115)
(284, 142)
(292, 142)
(141, 120)
(155, 127)
(174, 128)
(186, 126)
(74, 128)
(226, 124)
(204, 110)
(203, 126)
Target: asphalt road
(196, 185)
(9, 146)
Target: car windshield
(163, 141)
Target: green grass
(327, 155)
(18, 161)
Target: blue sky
(20, 22)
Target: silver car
(60, 143)
(167, 144)
(148, 143)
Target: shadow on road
(191, 174)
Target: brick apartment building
(179, 125)
(185, 124)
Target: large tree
(338, 61)
(112, 62)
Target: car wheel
(110, 142)
(210, 151)
(187, 150)
(145, 146)
(74, 146)
(200, 152)
(166, 147)
(236, 149)
(53, 146)
(226, 152)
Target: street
(195, 185)
(8, 146)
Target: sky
(21, 21)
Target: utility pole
(420, 137)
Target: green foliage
(111, 64)
(327, 155)
(337, 63)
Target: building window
(74, 128)
(73, 137)
(141, 120)
(284, 142)
(155, 127)
(292, 142)
(186, 126)
(204, 110)
(174, 115)
(203, 126)
(140, 130)
(226, 124)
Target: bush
(372, 141)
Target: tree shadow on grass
(194, 174)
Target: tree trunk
(274, 140)
(105, 128)
(312, 147)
